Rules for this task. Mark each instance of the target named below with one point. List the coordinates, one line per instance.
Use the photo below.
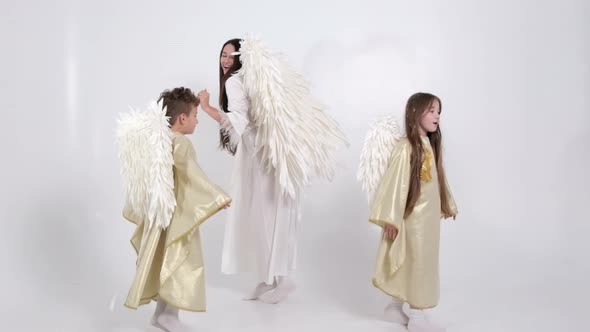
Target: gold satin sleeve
(388, 207)
(169, 263)
(197, 198)
(389, 202)
(451, 200)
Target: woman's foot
(285, 286)
(259, 290)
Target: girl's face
(430, 119)
(227, 60)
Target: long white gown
(260, 235)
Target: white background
(514, 78)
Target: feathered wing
(145, 150)
(376, 153)
(295, 135)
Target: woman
(261, 232)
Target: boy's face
(185, 124)
(191, 121)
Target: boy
(167, 204)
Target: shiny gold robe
(407, 267)
(169, 262)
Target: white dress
(260, 235)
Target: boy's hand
(203, 96)
(227, 206)
(445, 216)
(390, 231)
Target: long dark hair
(417, 105)
(224, 138)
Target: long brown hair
(224, 138)
(417, 105)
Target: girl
(409, 202)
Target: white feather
(376, 153)
(145, 151)
(228, 130)
(295, 136)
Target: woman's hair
(417, 105)
(224, 141)
(178, 101)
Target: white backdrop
(514, 78)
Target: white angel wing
(295, 136)
(145, 151)
(376, 153)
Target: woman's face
(227, 59)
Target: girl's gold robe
(407, 267)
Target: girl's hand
(390, 231)
(445, 216)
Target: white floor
(307, 310)
(514, 79)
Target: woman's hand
(203, 96)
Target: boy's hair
(178, 101)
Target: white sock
(417, 315)
(285, 286)
(160, 306)
(259, 290)
(394, 312)
(419, 322)
(168, 320)
(395, 304)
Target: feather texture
(145, 151)
(228, 130)
(376, 153)
(295, 136)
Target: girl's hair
(224, 138)
(417, 105)
(178, 101)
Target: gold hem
(400, 297)
(153, 298)
(382, 223)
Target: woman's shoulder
(233, 80)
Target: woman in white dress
(260, 235)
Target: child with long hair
(409, 202)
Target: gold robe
(169, 262)
(407, 267)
